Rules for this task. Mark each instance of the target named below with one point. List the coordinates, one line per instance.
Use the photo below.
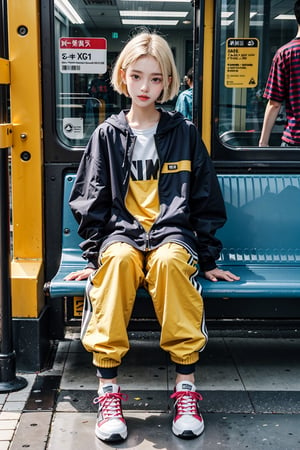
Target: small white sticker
(73, 127)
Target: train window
(88, 37)
(248, 34)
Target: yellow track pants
(169, 274)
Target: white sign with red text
(82, 55)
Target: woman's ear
(123, 75)
(169, 80)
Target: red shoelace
(111, 404)
(186, 402)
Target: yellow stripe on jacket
(176, 166)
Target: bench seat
(261, 240)
(256, 280)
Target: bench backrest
(263, 219)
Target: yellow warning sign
(241, 66)
(78, 306)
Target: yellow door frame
(27, 158)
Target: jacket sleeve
(90, 199)
(207, 206)
(182, 105)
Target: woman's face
(144, 80)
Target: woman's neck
(142, 118)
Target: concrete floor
(250, 388)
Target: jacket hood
(168, 121)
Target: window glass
(88, 38)
(249, 33)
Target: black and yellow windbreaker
(191, 203)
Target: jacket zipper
(147, 244)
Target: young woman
(148, 204)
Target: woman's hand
(79, 274)
(219, 274)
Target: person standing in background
(283, 84)
(184, 103)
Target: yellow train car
(56, 68)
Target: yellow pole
(27, 158)
(207, 74)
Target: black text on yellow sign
(241, 65)
(78, 306)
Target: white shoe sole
(188, 434)
(111, 437)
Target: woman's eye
(156, 80)
(135, 77)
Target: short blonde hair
(144, 44)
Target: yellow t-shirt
(142, 199)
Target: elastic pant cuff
(185, 369)
(107, 372)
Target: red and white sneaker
(110, 424)
(187, 422)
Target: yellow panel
(5, 135)
(4, 71)
(27, 284)
(207, 74)
(27, 162)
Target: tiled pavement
(250, 386)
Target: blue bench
(261, 240)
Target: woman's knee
(169, 254)
(121, 253)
